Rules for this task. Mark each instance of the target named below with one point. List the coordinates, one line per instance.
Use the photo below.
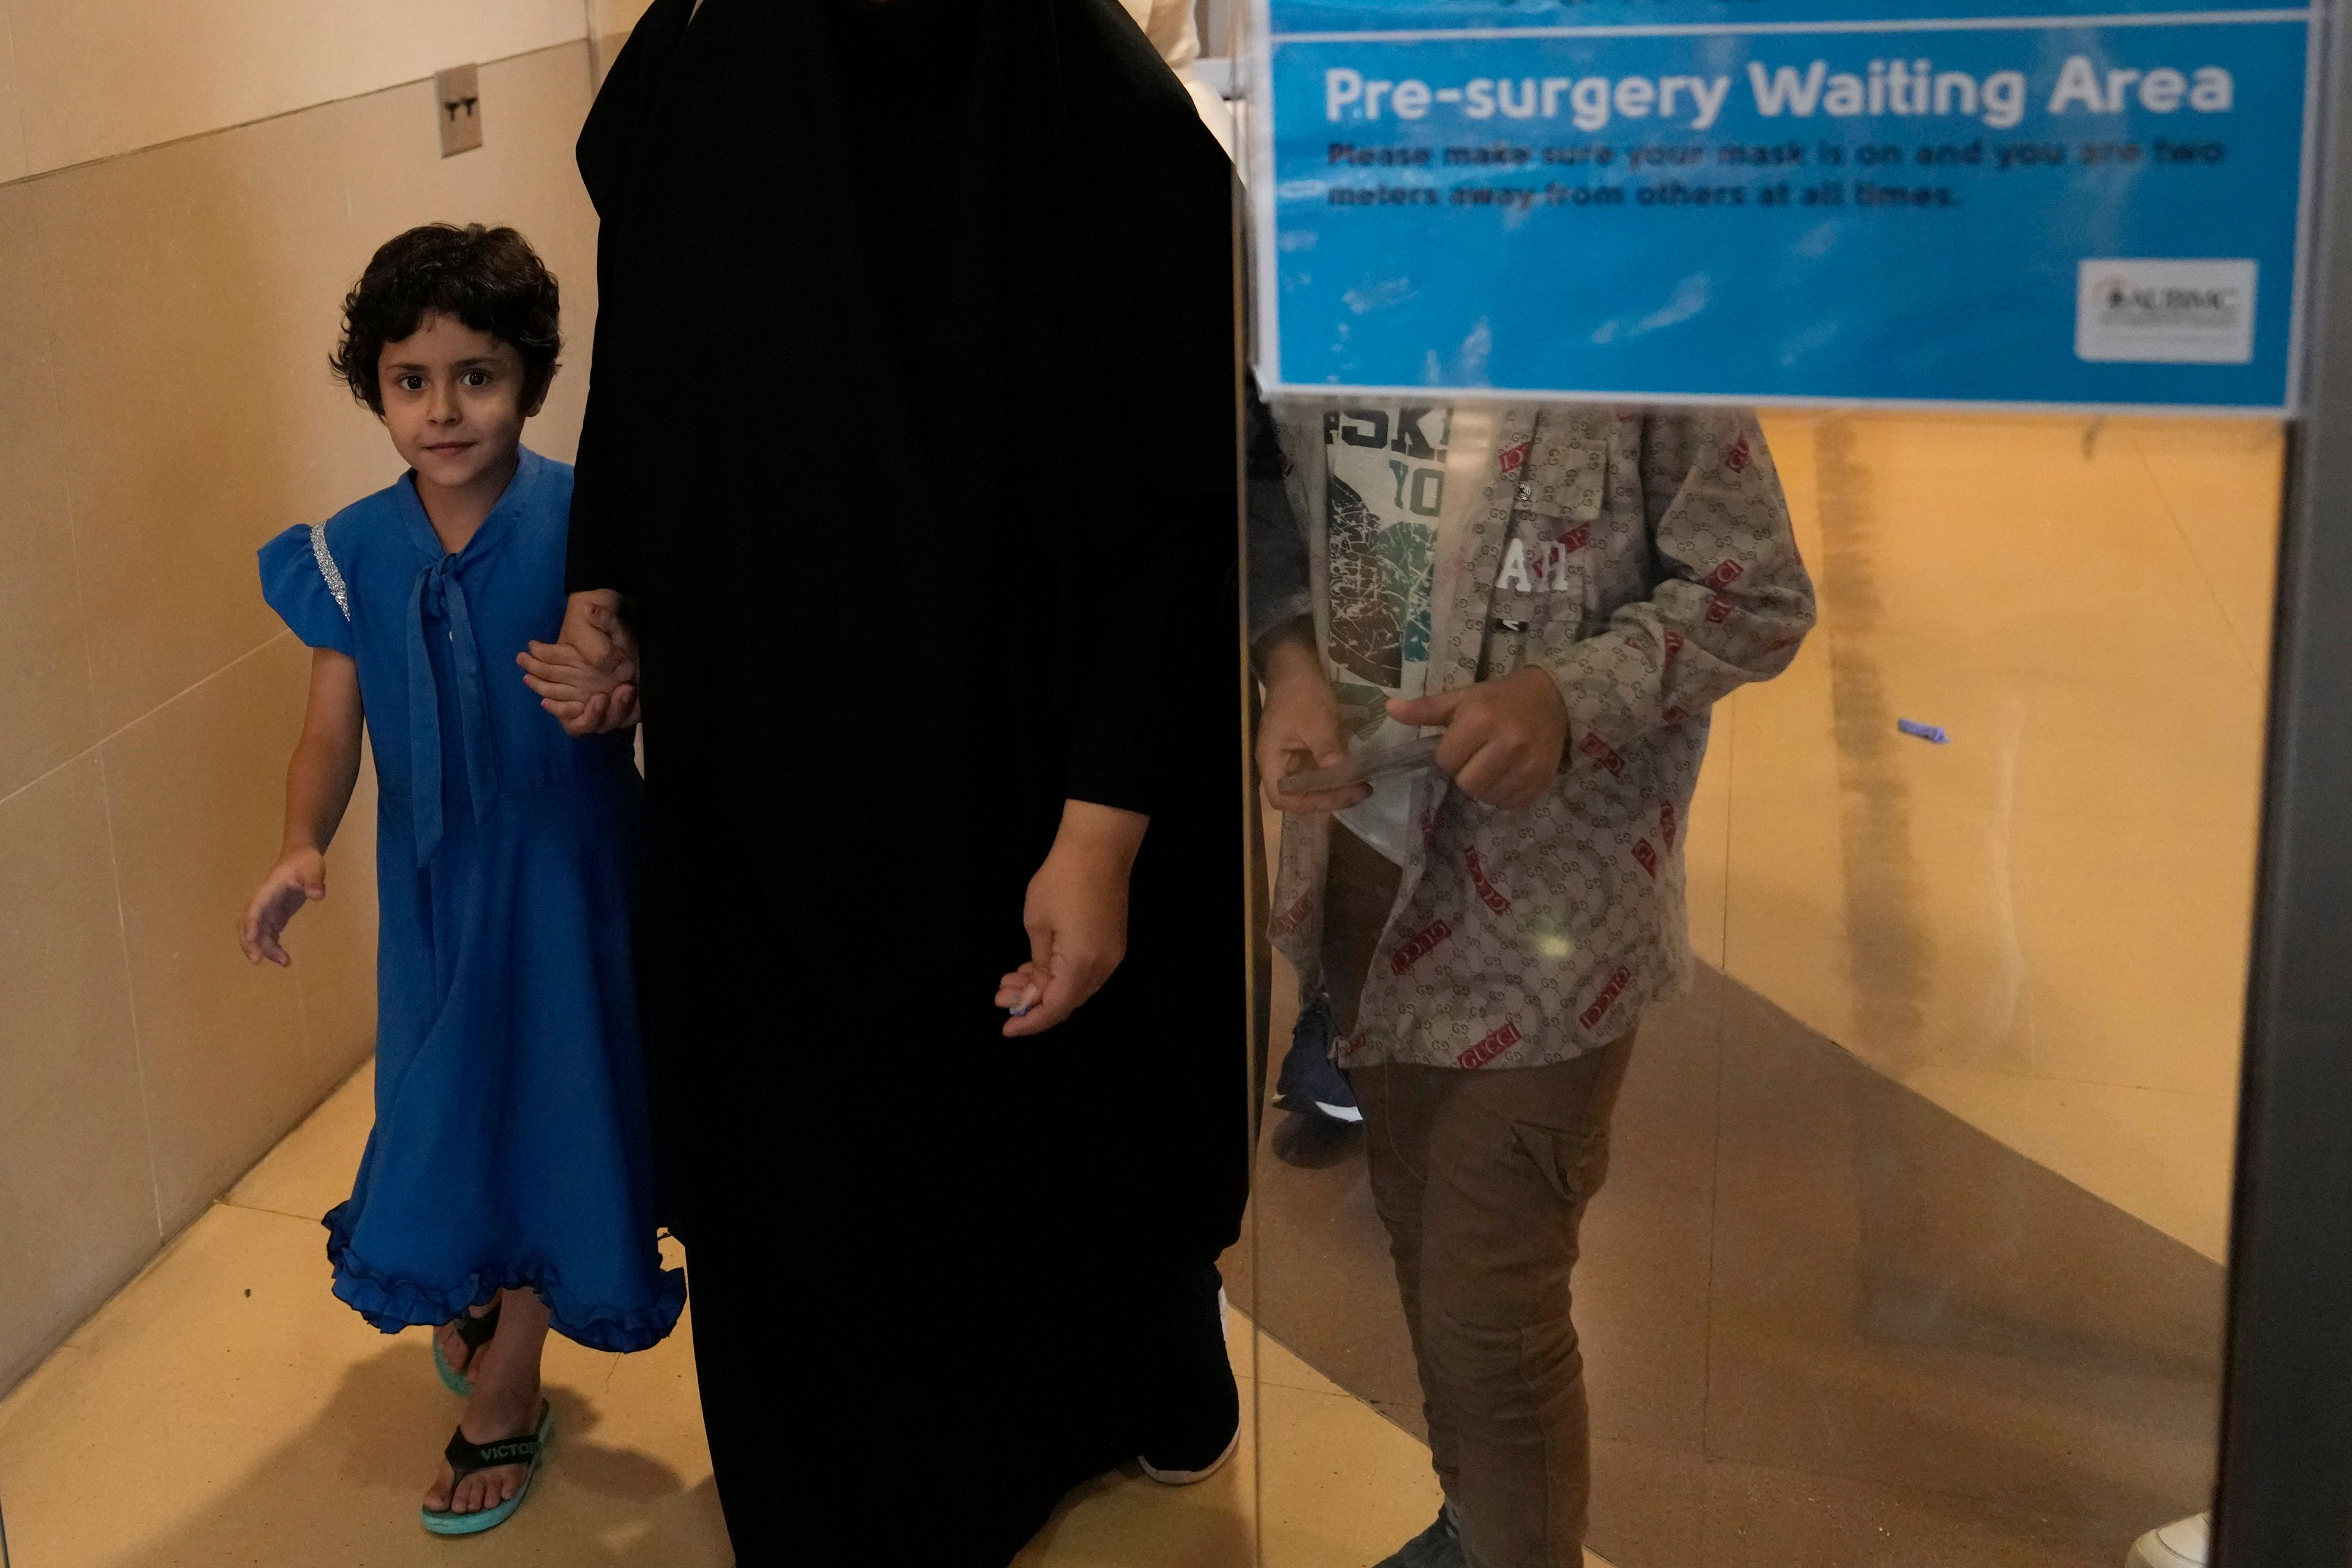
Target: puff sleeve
(302, 583)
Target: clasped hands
(587, 677)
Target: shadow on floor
(346, 1490)
(1115, 1518)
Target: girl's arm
(318, 785)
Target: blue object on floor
(1928, 732)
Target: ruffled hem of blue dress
(393, 1303)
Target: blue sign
(2030, 203)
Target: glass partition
(1911, 1243)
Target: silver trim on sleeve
(329, 570)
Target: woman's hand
(1299, 726)
(588, 678)
(298, 878)
(1076, 917)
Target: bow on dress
(438, 590)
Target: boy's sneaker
(2180, 1544)
(1439, 1546)
(1198, 1422)
(1311, 1084)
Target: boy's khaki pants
(1482, 1178)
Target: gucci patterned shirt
(1644, 559)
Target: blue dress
(511, 1145)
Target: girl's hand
(588, 678)
(1076, 917)
(298, 879)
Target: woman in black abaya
(910, 451)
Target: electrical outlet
(458, 92)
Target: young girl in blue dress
(507, 1186)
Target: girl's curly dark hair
(489, 279)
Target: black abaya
(912, 441)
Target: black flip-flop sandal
(466, 1459)
(473, 1332)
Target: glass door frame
(2285, 1493)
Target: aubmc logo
(2166, 312)
(2130, 304)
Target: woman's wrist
(1100, 831)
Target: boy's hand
(1299, 727)
(588, 678)
(1504, 739)
(298, 879)
(1077, 916)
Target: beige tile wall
(610, 23)
(614, 18)
(46, 711)
(164, 322)
(12, 125)
(98, 77)
(77, 1188)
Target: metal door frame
(2284, 1494)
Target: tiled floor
(226, 1409)
(1810, 1300)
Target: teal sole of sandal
(491, 1517)
(456, 1381)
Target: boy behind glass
(1561, 595)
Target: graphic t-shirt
(1386, 471)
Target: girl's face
(453, 399)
